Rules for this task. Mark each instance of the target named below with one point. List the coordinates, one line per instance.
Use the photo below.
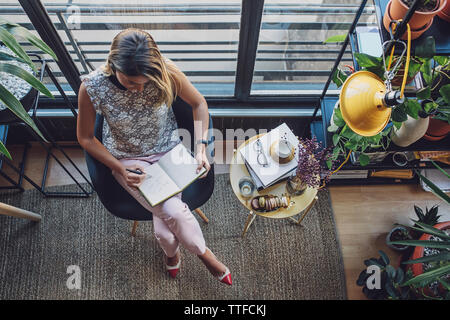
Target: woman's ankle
(215, 267)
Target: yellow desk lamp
(366, 101)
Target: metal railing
(212, 59)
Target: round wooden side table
(299, 204)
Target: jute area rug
(276, 260)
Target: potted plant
(430, 260)
(312, 160)
(398, 233)
(390, 283)
(421, 19)
(8, 32)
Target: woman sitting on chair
(134, 92)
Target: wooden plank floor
(363, 214)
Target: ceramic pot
(437, 130)
(419, 22)
(393, 235)
(295, 186)
(410, 131)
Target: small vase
(295, 186)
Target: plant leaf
(419, 213)
(425, 228)
(384, 257)
(423, 243)
(440, 169)
(413, 108)
(442, 256)
(424, 93)
(336, 139)
(428, 276)
(28, 77)
(337, 118)
(16, 107)
(399, 114)
(445, 92)
(4, 150)
(15, 47)
(24, 33)
(6, 56)
(366, 60)
(338, 38)
(435, 189)
(364, 159)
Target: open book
(174, 171)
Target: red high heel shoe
(226, 277)
(173, 270)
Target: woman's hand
(133, 179)
(202, 161)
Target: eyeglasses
(261, 157)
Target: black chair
(121, 204)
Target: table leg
(250, 219)
(305, 212)
(8, 210)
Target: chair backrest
(120, 203)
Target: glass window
(201, 37)
(292, 57)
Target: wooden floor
(363, 214)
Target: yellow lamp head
(364, 103)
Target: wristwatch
(205, 142)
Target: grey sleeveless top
(133, 126)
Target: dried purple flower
(312, 158)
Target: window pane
(201, 37)
(291, 56)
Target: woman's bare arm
(200, 112)
(85, 132)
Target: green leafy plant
(391, 280)
(430, 217)
(345, 140)
(440, 262)
(8, 33)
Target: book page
(157, 186)
(181, 166)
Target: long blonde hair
(134, 52)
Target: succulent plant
(430, 217)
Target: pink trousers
(173, 221)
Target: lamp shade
(362, 103)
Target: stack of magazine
(273, 172)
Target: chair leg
(133, 230)
(202, 215)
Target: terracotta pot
(437, 130)
(417, 268)
(445, 13)
(419, 22)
